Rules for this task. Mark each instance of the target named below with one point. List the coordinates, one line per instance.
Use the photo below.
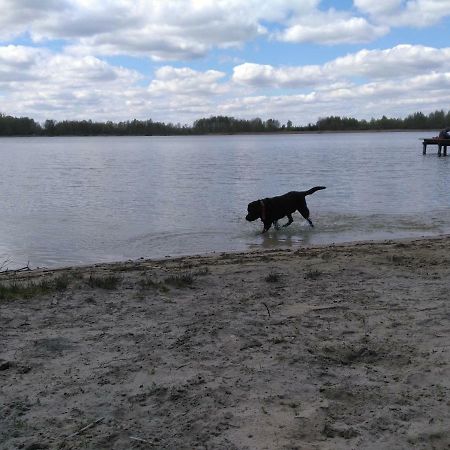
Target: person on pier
(445, 134)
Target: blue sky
(179, 60)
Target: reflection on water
(81, 200)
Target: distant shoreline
(261, 133)
(221, 125)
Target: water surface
(73, 200)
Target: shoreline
(218, 254)
(261, 133)
(319, 347)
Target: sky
(179, 60)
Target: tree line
(25, 126)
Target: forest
(25, 126)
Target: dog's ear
(253, 206)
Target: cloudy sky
(179, 60)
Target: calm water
(67, 201)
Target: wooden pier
(441, 144)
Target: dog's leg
(267, 225)
(305, 213)
(290, 220)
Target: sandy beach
(333, 347)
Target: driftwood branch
(3, 264)
(85, 428)
(21, 269)
(268, 311)
(133, 438)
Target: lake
(76, 200)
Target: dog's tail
(314, 189)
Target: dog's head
(254, 211)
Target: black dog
(270, 210)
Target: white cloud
(186, 82)
(374, 99)
(45, 84)
(331, 28)
(416, 13)
(162, 30)
(380, 7)
(264, 75)
(19, 62)
(184, 94)
(186, 29)
(365, 84)
(398, 62)
(40, 83)
(19, 16)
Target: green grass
(106, 282)
(148, 283)
(29, 289)
(61, 283)
(312, 275)
(398, 259)
(180, 280)
(272, 277)
(202, 271)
